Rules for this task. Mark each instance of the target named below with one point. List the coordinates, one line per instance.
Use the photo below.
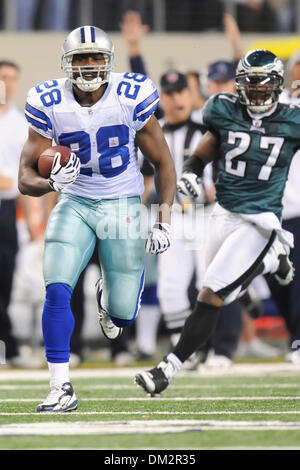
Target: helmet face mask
(88, 41)
(259, 80)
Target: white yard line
(150, 399)
(140, 427)
(174, 448)
(155, 413)
(174, 386)
(237, 369)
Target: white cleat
(109, 329)
(285, 272)
(61, 398)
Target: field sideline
(253, 406)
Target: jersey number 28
(111, 144)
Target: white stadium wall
(39, 54)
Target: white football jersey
(101, 135)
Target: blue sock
(57, 322)
(121, 322)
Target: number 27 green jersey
(256, 152)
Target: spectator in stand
(220, 77)
(284, 12)
(233, 35)
(54, 14)
(194, 84)
(140, 6)
(133, 31)
(256, 15)
(13, 133)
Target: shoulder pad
(216, 109)
(39, 100)
(139, 92)
(227, 96)
(48, 93)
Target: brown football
(45, 160)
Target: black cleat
(156, 380)
(285, 272)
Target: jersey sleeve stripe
(147, 104)
(37, 114)
(37, 123)
(150, 110)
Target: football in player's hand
(45, 160)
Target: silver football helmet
(259, 80)
(83, 40)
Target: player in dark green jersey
(256, 150)
(256, 139)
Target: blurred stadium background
(185, 35)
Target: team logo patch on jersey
(256, 126)
(113, 142)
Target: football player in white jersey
(101, 116)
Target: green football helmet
(259, 80)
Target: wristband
(194, 164)
(163, 226)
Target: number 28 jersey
(256, 152)
(101, 135)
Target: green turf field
(252, 406)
